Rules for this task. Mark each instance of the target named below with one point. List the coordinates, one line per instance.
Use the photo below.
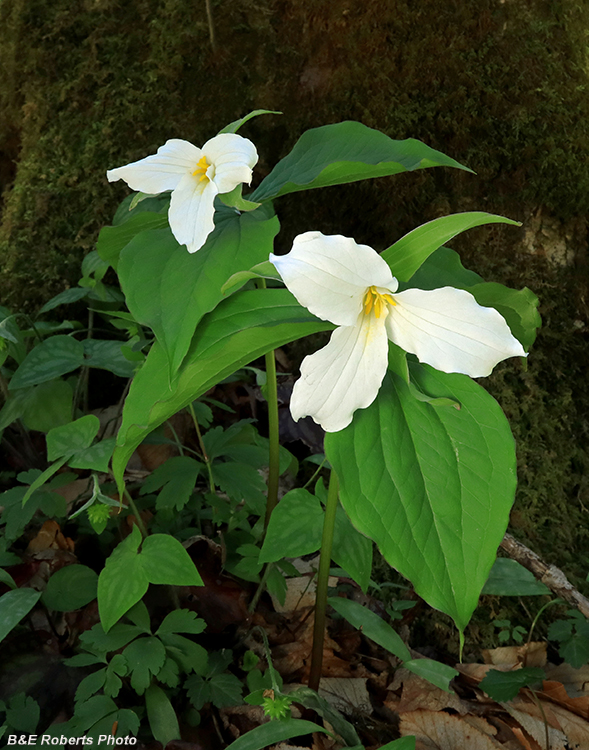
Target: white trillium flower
(352, 286)
(195, 176)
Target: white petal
(233, 158)
(161, 171)
(191, 212)
(448, 329)
(329, 275)
(343, 376)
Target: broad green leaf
(274, 731)
(48, 405)
(130, 207)
(161, 715)
(504, 686)
(96, 457)
(407, 254)
(234, 126)
(7, 579)
(310, 699)
(442, 268)
(403, 743)
(70, 588)
(432, 486)
(51, 358)
(145, 657)
(295, 527)
(139, 615)
(14, 605)
(112, 240)
(240, 329)
(345, 152)
(181, 621)
(73, 437)
(519, 307)
(44, 477)
(509, 578)
(373, 626)
(129, 571)
(433, 671)
(75, 294)
(108, 355)
(351, 550)
(261, 271)
(234, 199)
(165, 561)
(169, 289)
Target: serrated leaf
(189, 655)
(504, 686)
(90, 685)
(575, 651)
(198, 691)
(22, 713)
(432, 486)
(169, 674)
(145, 657)
(241, 482)
(51, 358)
(178, 477)
(97, 640)
(181, 621)
(226, 690)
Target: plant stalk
(273, 436)
(322, 582)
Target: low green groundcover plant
(421, 457)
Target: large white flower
(352, 286)
(195, 176)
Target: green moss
(501, 87)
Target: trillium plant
(422, 458)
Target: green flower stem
(203, 450)
(138, 518)
(273, 434)
(322, 582)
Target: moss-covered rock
(500, 86)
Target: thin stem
(203, 450)
(308, 482)
(211, 23)
(260, 590)
(138, 518)
(273, 430)
(322, 582)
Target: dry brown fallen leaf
(436, 730)
(529, 654)
(557, 693)
(50, 537)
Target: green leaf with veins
(145, 657)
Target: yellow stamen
(374, 298)
(201, 169)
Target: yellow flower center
(374, 299)
(201, 169)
